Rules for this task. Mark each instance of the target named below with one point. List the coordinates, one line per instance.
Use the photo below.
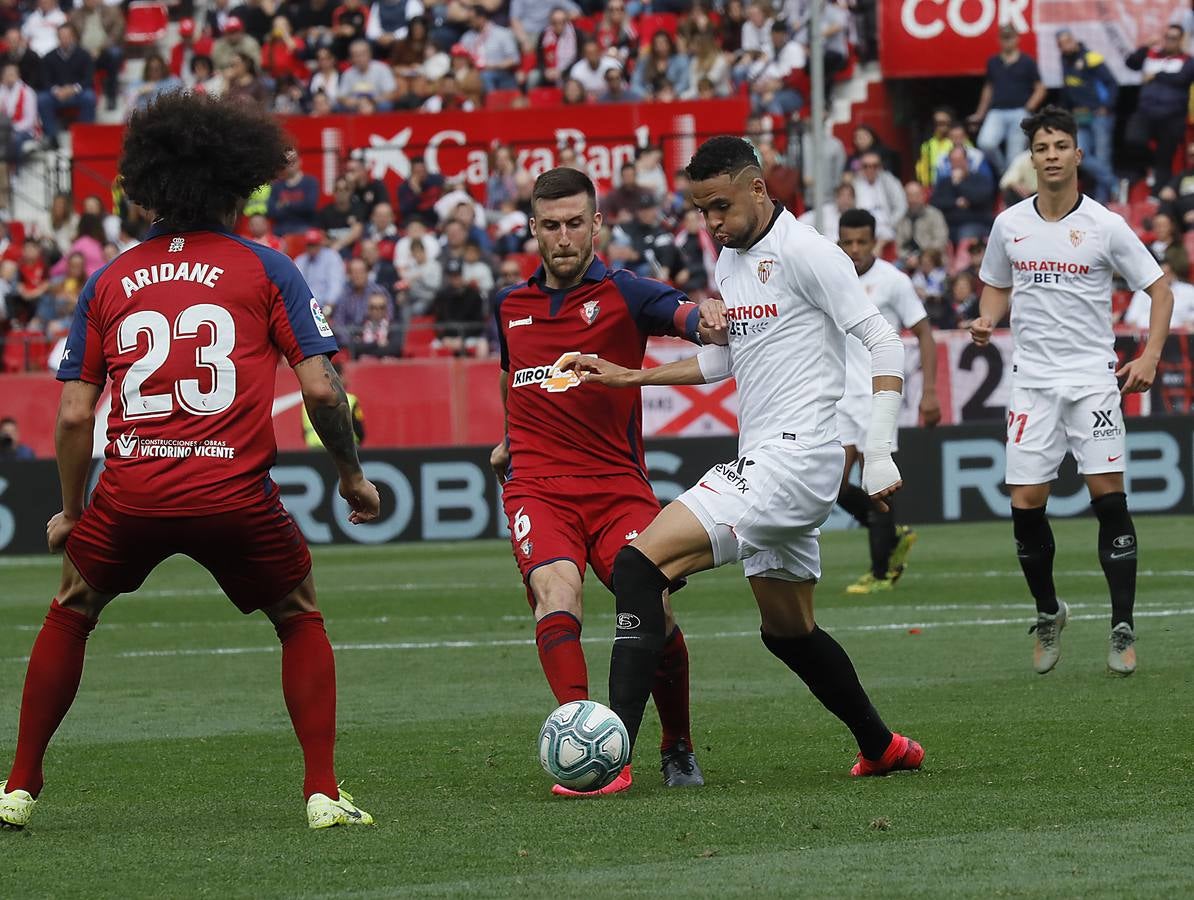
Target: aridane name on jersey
(550, 378)
(199, 273)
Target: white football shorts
(766, 507)
(1043, 423)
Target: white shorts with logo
(766, 507)
(854, 421)
(1043, 423)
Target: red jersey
(189, 327)
(556, 424)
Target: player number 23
(213, 356)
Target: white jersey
(1139, 312)
(789, 300)
(893, 294)
(1060, 275)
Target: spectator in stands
(941, 313)
(755, 39)
(382, 227)
(343, 220)
(592, 68)
(89, 242)
(929, 276)
(974, 261)
(261, 231)
(390, 21)
(326, 79)
(18, 113)
(477, 270)
(831, 211)
(410, 53)
(1019, 180)
(189, 46)
(293, 200)
(11, 448)
(204, 77)
(283, 54)
(453, 240)
(64, 221)
(833, 161)
(707, 63)
(232, 43)
(155, 81)
(936, 146)
(922, 227)
(729, 30)
(616, 36)
(56, 308)
(619, 204)
(348, 26)
(648, 171)
(1164, 233)
(574, 93)
(500, 186)
(494, 49)
(41, 27)
(101, 33)
(659, 62)
(1176, 266)
(380, 334)
(865, 139)
(616, 89)
(348, 312)
(243, 83)
(835, 28)
(381, 268)
(1012, 90)
(459, 313)
(963, 293)
(16, 49)
(695, 258)
(419, 193)
(1089, 91)
(367, 191)
(1167, 73)
(322, 267)
(416, 233)
(881, 194)
(1178, 195)
(255, 16)
(771, 90)
(68, 72)
(423, 277)
(641, 245)
(557, 49)
(966, 198)
(528, 18)
(33, 283)
(366, 77)
(974, 156)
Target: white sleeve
(908, 305)
(825, 277)
(1130, 257)
(884, 345)
(715, 362)
(996, 268)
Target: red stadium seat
(18, 345)
(649, 23)
(420, 336)
(528, 262)
(1141, 210)
(295, 245)
(502, 99)
(145, 23)
(545, 96)
(587, 24)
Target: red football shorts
(585, 519)
(257, 554)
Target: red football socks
(51, 682)
(557, 635)
(309, 686)
(670, 691)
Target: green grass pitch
(176, 774)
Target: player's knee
(78, 596)
(300, 600)
(1030, 528)
(638, 587)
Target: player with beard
(575, 483)
(1051, 258)
(791, 299)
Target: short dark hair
(1051, 118)
(193, 159)
(1180, 30)
(722, 155)
(1175, 257)
(857, 218)
(563, 181)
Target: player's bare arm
(992, 307)
(682, 371)
(930, 407)
(72, 444)
(499, 457)
(327, 405)
(1141, 372)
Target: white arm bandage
(887, 350)
(714, 360)
(887, 358)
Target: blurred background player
(791, 298)
(188, 326)
(893, 294)
(1054, 256)
(576, 488)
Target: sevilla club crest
(1076, 236)
(765, 267)
(589, 311)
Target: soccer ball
(584, 745)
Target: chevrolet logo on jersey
(550, 378)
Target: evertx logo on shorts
(550, 378)
(1104, 425)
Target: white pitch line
(528, 642)
(1070, 573)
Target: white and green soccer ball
(583, 745)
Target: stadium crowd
(413, 273)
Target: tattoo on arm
(333, 423)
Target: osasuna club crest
(589, 311)
(527, 548)
(765, 267)
(1076, 236)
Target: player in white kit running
(893, 294)
(1052, 257)
(791, 296)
